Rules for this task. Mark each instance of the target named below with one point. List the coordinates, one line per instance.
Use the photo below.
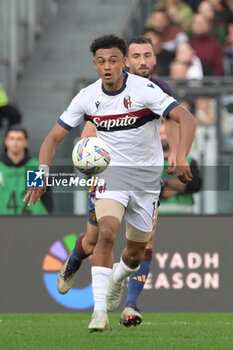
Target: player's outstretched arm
(47, 152)
(187, 127)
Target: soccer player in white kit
(126, 111)
(140, 60)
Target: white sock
(122, 271)
(100, 281)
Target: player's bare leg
(84, 246)
(131, 315)
(90, 239)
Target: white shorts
(140, 206)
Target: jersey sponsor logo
(97, 103)
(150, 85)
(127, 102)
(112, 123)
(122, 121)
(35, 178)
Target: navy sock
(77, 254)
(138, 279)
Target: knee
(106, 237)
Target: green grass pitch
(158, 331)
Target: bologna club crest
(127, 102)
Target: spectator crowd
(194, 40)
(205, 26)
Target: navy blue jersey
(164, 86)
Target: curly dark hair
(107, 42)
(140, 40)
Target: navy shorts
(91, 218)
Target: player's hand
(33, 195)
(171, 169)
(183, 171)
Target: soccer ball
(91, 155)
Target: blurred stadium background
(44, 62)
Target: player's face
(15, 142)
(141, 59)
(109, 64)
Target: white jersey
(127, 119)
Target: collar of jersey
(113, 93)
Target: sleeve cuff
(64, 125)
(169, 108)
